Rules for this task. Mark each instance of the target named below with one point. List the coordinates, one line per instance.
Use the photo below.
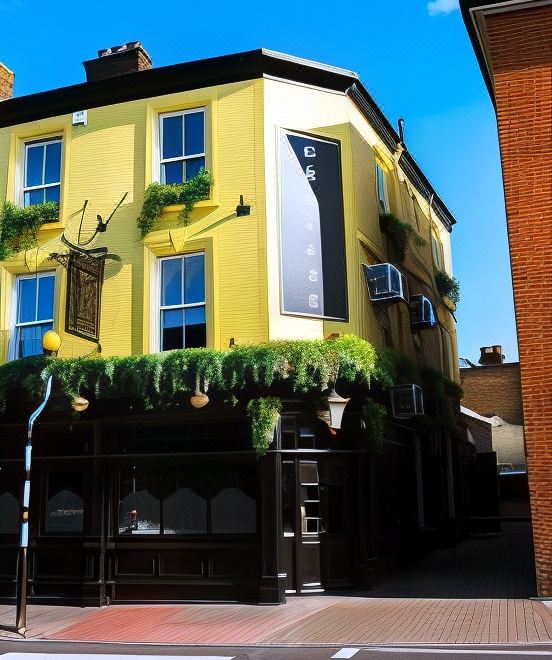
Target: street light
(50, 344)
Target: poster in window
(312, 227)
(84, 289)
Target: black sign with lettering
(312, 227)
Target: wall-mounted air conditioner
(422, 313)
(385, 283)
(406, 401)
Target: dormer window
(385, 283)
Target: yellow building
(316, 164)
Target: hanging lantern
(337, 406)
(80, 404)
(199, 400)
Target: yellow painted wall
(115, 153)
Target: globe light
(51, 342)
(80, 404)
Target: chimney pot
(117, 61)
(491, 355)
(7, 78)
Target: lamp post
(50, 343)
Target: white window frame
(39, 143)
(436, 250)
(12, 353)
(163, 308)
(380, 169)
(162, 161)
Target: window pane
(172, 329)
(29, 339)
(34, 197)
(35, 160)
(46, 297)
(52, 194)
(196, 336)
(195, 279)
(53, 163)
(185, 512)
(171, 282)
(233, 512)
(26, 300)
(193, 166)
(139, 507)
(172, 137)
(9, 520)
(65, 508)
(172, 172)
(194, 133)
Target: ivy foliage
(447, 286)
(159, 195)
(19, 227)
(263, 413)
(374, 415)
(400, 233)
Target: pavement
(476, 593)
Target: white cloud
(441, 7)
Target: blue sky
(413, 56)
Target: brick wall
(6, 82)
(494, 390)
(520, 49)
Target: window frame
(38, 142)
(437, 250)
(13, 350)
(380, 169)
(162, 308)
(178, 113)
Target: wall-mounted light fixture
(242, 209)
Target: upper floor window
(182, 145)
(437, 250)
(182, 304)
(42, 171)
(382, 190)
(34, 312)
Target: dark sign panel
(84, 289)
(312, 227)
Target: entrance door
(302, 525)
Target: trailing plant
(447, 286)
(19, 227)
(159, 195)
(393, 367)
(263, 413)
(374, 415)
(400, 233)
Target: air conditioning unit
(385, 283)
(407, 401)
(422, 313)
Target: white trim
(160, 161)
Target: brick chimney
(491, 355)
(6, 82)
(117, 60)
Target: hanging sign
(84, 291)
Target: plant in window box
(263, 413)
(19, 227)
(399, 233)
(448, 287)
(160, 195)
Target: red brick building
(513, 43)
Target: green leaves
(159, 195)
(447, 286)
(263, 413)
(399, 233)
(19, 227)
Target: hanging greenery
(374, 415)
(263, 413)
(400, 233)
(447, 286)
(19, 227)
(159, 195)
